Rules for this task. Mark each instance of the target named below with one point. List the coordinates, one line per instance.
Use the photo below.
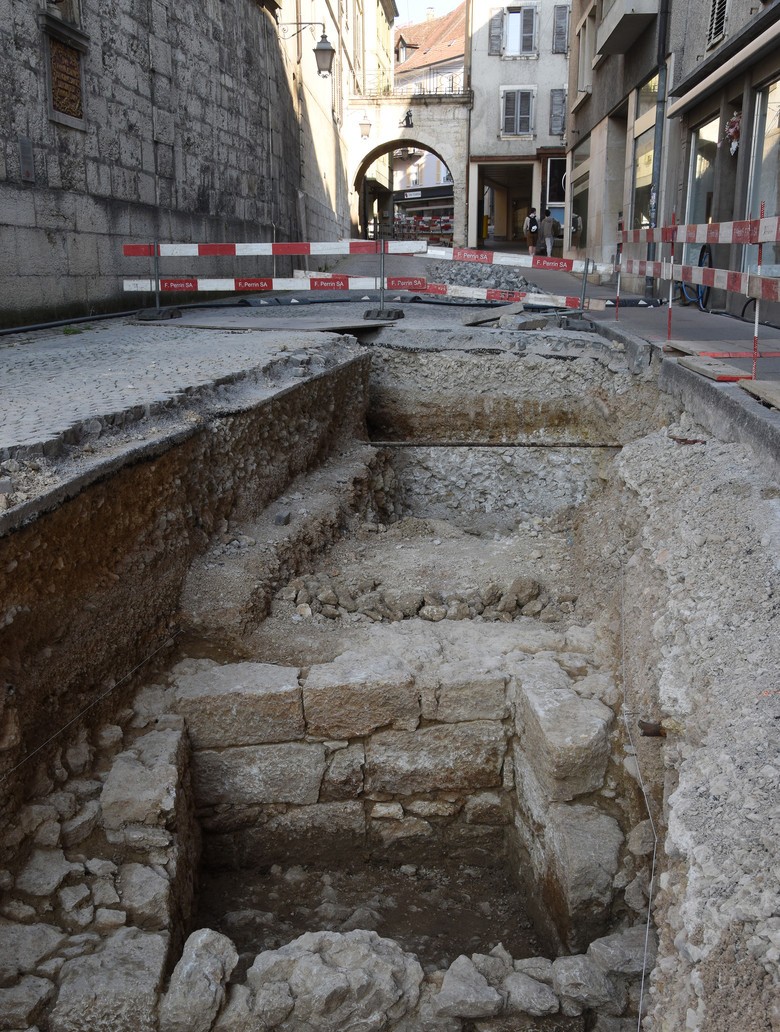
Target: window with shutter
(496, 36)
(560, 29)
(520, 31)
(557, 112)
(518, 112)
(717, 25)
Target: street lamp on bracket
(324, 51)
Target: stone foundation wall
(92, 589)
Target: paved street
(55, 379)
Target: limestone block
(239, 703)
(45, 871)
(145, 895)
(23, 947)
(344, 775)
(563, 737)
(641, 839)
(23, 1003)
(625, 953)
(336, 981)
(465, 993)
(599, 686)
(141, 786)
(114, 988)
(582, 983)
(250, 774)
(581, 846)
(425, 1017)
(304, 831)
(356, 694)
(467, 692)
(455, 757)
(197, 987)
(524, 995)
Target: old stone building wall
(148, 121)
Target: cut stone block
(141, 787)
(356, 694)
(239, 704)
(456, 757)
(250, 774)
(469, 693)
(145, 895)
(565, 736)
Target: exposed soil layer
(437, 911)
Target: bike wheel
(705, 262)
(750, 301)
(688, 293)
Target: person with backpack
(550, 229)
(531, 230)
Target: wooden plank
(491, 314)
(687, 347)
(714, 370)
(767, 391)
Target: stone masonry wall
(187, 132)
(92, 588)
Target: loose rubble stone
(197, 987)
(238, 703)
(583, 984)
(334, 980)
(625, 953)
(145, 895)
(24, 1003)
(45, 871)
(114, 988)
(23, 947)
(465, 993)
(527, 996)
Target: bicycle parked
(696, 293)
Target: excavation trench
(379, 774)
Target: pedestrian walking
(549, 229)
(531, 230)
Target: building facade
(518, 72)
(161, 122)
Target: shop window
(643, 180)
(765, 174)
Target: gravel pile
(486, 277)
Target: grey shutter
(524, 111)
(496, 37)
(557, 112)
(510, 107)
(528, 24)
(717, 20)
(560, 29)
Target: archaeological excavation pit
(387, 771)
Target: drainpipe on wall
(658, 137)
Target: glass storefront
(643, 178)
(765, 174)
(701, 182)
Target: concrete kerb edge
(728, 413)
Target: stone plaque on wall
(66, 79)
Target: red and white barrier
(750, 231)
(537, 261)
(267, 250)
(249, 283)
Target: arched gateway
(377, 126)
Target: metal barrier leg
(585, 283)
